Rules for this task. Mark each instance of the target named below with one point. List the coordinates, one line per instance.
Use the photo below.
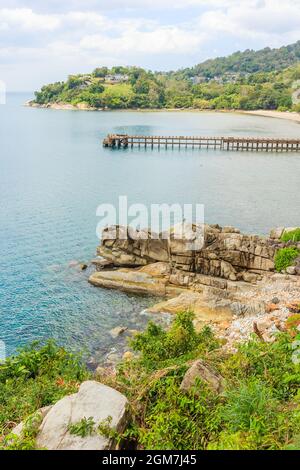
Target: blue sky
(44, 41)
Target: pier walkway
(198, 142)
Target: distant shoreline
(291, 116)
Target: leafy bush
(285, 257)
(292, 235)
(35, 377)
(160, 346)
(85, 427)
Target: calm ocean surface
(53, 175)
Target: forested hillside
(249, 61)
(266, 79)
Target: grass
(285, 258)
(292, 235)
(117, 95)
(117, 89)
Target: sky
(45, 41)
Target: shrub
(38, 375)
(285, 257)
(270, 363)
(292, 235)
(159, 346)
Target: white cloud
(160, 40)
(25, 19)
(77, 35)
(269, 19)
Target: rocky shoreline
(230, 283)
(62, 106)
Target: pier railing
(223, 143)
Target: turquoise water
(53, 175)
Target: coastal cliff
(230, 282)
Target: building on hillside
(85, 84)
(198, 79)
(116, 78)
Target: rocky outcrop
(205, 310)
(83, 106)
(136, 282)
(225, 253)
(160, 263)
(227, 282)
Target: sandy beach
(275, 114)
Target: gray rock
(134, 281)
(113, 358)
(39, 414)
(102, 264)
(202, 370)
(117, 331)
(251, 308)
(92, 400)
(249, 277)
(276, 233)
(291, 270)
(230, 229)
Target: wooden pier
(197, 142)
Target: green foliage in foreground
(259, 408)
(37, 376)
(292, 235)
(285, 257)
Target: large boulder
(93, 400)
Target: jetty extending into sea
(199, 142)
